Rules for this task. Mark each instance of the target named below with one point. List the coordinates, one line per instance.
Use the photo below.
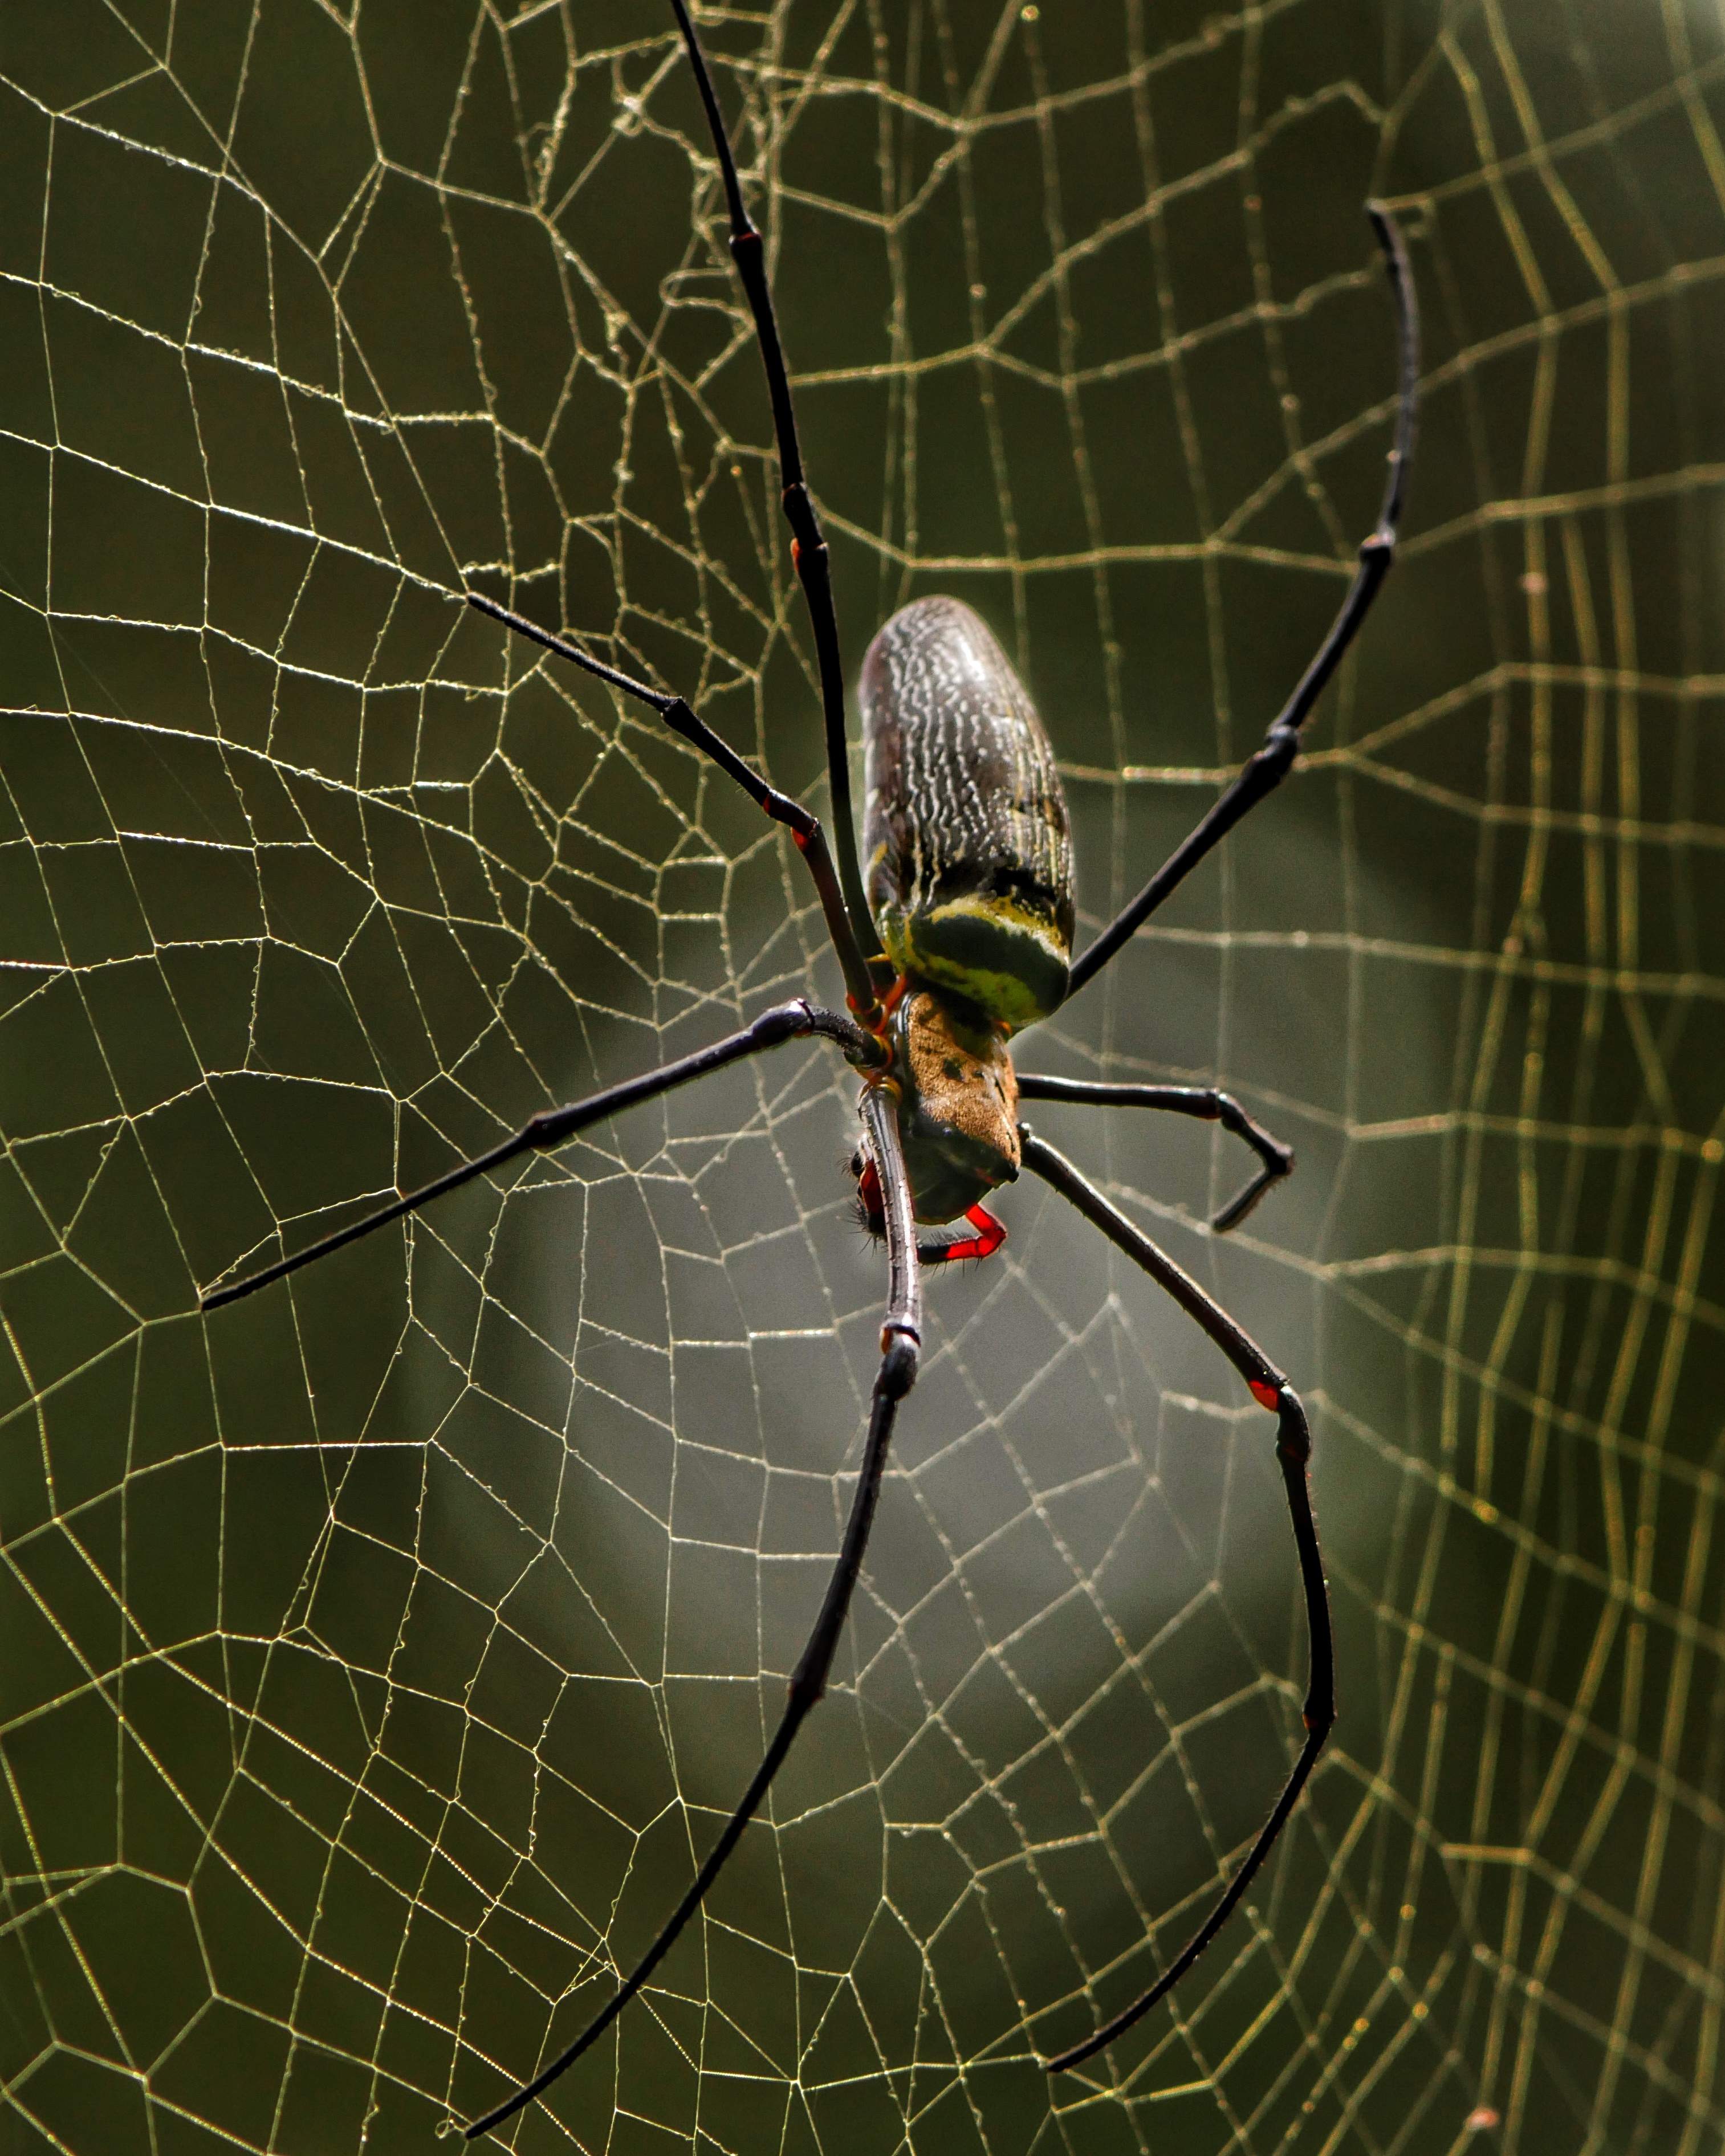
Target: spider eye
(856, 1163)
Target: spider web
(381, 1654)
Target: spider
(961, 938)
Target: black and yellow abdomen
(966, 836)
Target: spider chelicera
(962, 938)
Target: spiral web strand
(380, 1655)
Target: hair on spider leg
(854, 1162)
(961, 1256)
(985, 1237)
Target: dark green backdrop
(379, 1657)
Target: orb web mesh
(381, 1654)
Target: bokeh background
(379, 1657)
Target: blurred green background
(379, 1657)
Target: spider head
(958, 1102)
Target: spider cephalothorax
(956, 1099)
(970, 897)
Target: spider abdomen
(966, 835)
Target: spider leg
(804, 827)
(900, 1343)
(809, 548)
(1266, 771)
(1293, 1451)
(1202, 1100)
(552, 1126)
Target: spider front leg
(901, 1345)
(1293, 1452)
